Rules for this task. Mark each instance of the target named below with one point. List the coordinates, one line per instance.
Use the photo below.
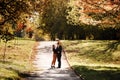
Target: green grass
(94, 59)
(17, 60)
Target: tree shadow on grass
(20, 74)
(112, 47)
(10, 66)
(98, 72)
(6, 78)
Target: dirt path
(43, 65)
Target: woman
(54, 56)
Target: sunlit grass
(17, 59)
(94, 59)
(7, 73)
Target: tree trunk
(4, 51)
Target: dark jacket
(59, 49)
(54, 50)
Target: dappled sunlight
(5, 71)
(88, 30)
(11, 70)
(93, 49)
(54, 74)
(94, 59)
(17, 60)
(98, 65)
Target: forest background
(85, 26)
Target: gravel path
(42, 64)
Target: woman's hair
(59, 43)
(53, 45)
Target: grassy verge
(94, 59)
(17, 60)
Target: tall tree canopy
(10, 10)
(105, 13)
(53, 17)
(13, 10)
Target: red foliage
(20, 26)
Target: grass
(17, 60)
(94, 59)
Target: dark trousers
(59, 60)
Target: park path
(42, 65)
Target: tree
(104, 13)
(6, 36)
(53, 17)
(10, 12)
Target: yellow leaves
(1, 18)
(8, 27)
(94, 12)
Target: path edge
(71, 67)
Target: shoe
(52, 66)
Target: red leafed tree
(105, 13)
(20, 26)
(20, 29)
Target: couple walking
(57, 53)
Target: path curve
(42, 65)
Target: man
(59, 50)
